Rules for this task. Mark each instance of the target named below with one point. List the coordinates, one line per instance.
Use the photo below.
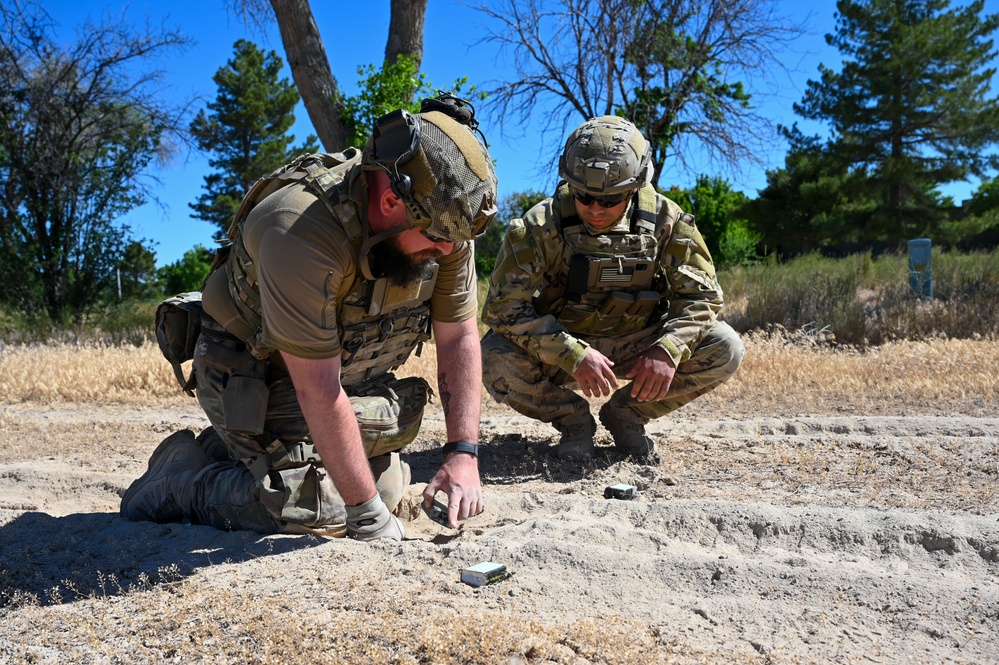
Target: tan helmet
(606, 156)
(440, 169)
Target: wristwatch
(461, 447)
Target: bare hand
(595, 375)
(653, 373)
(458, 477)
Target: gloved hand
(372, 520)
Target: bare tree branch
(682, 70)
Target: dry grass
(788, 375)
(782, 373)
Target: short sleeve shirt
(306, 265)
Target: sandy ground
(768, 538)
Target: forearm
(459, 378)
(333, 426)
(338, 440)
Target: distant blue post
(920, 272)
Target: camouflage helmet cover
(605, 156)
(445, 176)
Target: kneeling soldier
(339, 267)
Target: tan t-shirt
(306, 265)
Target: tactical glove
(372, 520)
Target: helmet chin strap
(368, 241)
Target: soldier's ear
(393, 207)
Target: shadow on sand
(55, 560)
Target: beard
(400, 268)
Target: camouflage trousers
(264, 474)
(518, 378)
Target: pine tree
(910, 108)
(245, 130)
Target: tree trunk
(311, 70)
(406, 31)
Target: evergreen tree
(910, 107)
(136, 274)
(245, 130)
(815, 201)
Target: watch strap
(461, 447)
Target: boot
(392, 477)
(627, 429)
(158, 494)
(213, 445)
(576, 443)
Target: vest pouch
(178, 324)
(644, 303)
(389, 412)
(617, 304)
(244, 405)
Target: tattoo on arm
(445, 394)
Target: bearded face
(400, 267)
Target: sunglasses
(602, 201)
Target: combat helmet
(606, 158)
(438, 166)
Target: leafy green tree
(306, 53)
(188, 273)
(911, 107)
(717, 206)
(80, 126)
(245, 130)
(399, 85)
(511, 206)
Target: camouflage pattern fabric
(539, 390)
(529, 356)
(531, 260)
(274, 481)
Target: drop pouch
(244, 405)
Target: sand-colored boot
(576, 443)
(628, 430)
(159, 494)
(392, 477)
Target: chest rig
(611, 283)
(379, 323)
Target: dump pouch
(178, 324)
(389, 411)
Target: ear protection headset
(395, 139)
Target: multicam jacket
(528, 301)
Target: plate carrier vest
(610, 283)
(379, 323)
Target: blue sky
(354, 34)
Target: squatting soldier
(606, 279)
(339, 267)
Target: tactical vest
(610, 283)
(379, 324)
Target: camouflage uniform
(533, 348)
